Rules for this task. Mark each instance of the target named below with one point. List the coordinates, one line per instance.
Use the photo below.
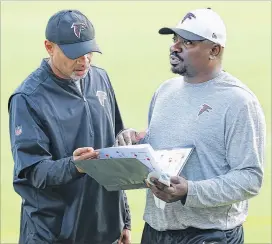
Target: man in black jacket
(61, 113)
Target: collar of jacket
(64, 83)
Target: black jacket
(49, 119)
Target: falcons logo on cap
(78, 27)
(204, 108)
(188, 16)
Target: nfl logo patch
(18, 130)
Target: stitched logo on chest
(204, 108)
(101, 97)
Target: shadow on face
(188, 58)
(63, 67)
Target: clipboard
(116, 174)
(127, 167)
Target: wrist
(184, 191)
(74, 170)
(183, 199)
(139, 135)
(127, 227)
(185, 187)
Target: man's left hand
(176, 191)
(128, 137)
(125, 237)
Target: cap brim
(183, 33)
(76, 50)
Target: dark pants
(192, 236)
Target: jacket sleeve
(127, 214)
(118, 119)
(30, 147)
(118, 127)
(245, 132)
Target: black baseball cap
(72, 32)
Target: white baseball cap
(200, 24)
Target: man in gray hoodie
(214, 111)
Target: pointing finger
(127, 138)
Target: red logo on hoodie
(205, 108)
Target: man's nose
(175, 48)
(83, 59)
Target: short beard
(179, 70)
(75, 77)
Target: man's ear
(49, 46)
(215, 51)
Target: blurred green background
(136, 58)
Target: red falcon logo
(204, 108)
(78, 27)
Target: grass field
(136, 58)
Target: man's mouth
(175, 60)
(80, 71)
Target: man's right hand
(128, 137)
(84, 153)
